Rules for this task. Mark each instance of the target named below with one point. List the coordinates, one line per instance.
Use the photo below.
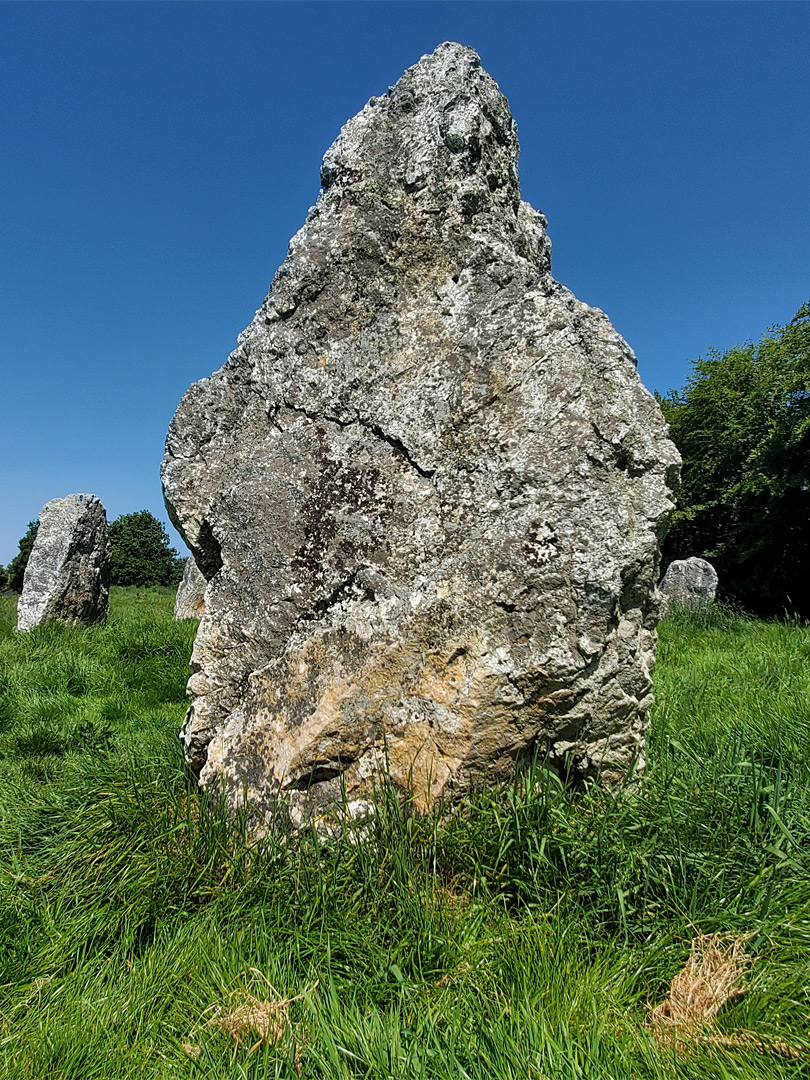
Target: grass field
(143, 934)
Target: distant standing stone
(690, 583)
(68, 574)
(190, 602)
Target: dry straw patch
(712, 976)
(245, 1017)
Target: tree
(15, 571)
(742, 425)
(140, 552)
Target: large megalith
(427, 489)
(689, 583)
(190, 600)
(67, 578)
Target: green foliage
(3, 578)
(523, 937)
(742, 424)
(15, 571)
(140, 553)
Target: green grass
(524, 938)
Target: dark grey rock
(427, 489)
(689, 583)
(190, 600)
(68, 574)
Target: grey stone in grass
(427, 489)
(689, 583)
(67, 578)
(190, 600)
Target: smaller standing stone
(689, 583)
(190, 602)
(68, 574)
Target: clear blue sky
(156, 158)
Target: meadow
(144, 934)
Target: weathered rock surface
(190, 600)
(689, 583)
(427, 489)
(67, 578)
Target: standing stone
(689, 583)
(67, 578)
(427, 489)
(190, 600)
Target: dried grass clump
(712, 976)
(248, 1018)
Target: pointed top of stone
(443, 136)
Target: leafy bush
(140, 553)
(742, 425)
(15, 571)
